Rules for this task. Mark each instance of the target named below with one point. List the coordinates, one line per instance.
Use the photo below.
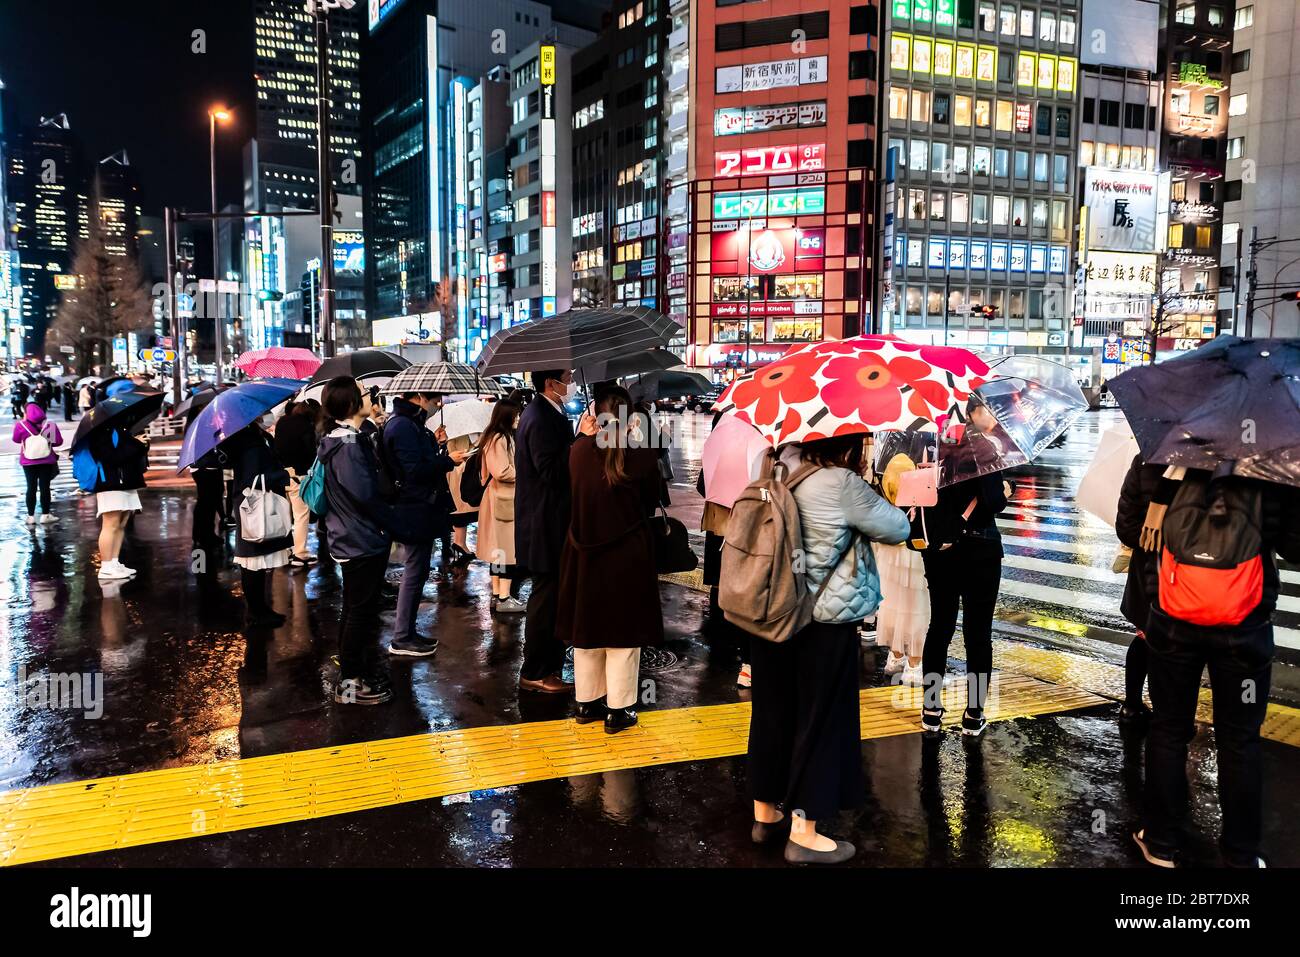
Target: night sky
(124, 73)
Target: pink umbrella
(279, 362)
(729, 457)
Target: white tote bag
(264, 516)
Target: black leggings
(967, 574)
(39, 476)
(1135, 671)
(254, 583)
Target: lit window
(1236, 147)
(1245, 17)
(1237, 104)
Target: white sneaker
(911, 676)
(31, 519)
(48, 519)
(896, 663)
(114, 571)
(510, 606)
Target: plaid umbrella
(576, 339)
(443, 378)
(278, 362)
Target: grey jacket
(837, 507)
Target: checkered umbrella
(576, 339)
(444, 378)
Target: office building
(489, 306)
(1123, 221)
(620, 163)
(1261, 190)
(419, 61)
(1196, 50)
(47, 184)
(280, 160)
(983, 132)
(781, 169)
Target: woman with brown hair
(805, 739)
(609, 594)
(496, 513)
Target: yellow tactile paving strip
(61, 820)
(1281, 723)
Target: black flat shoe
(798, 854)
(619, 719)
(1134, 715)
(589, 711)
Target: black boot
(589, 711)
(619, 719)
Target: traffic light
(1290, 297)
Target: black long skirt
(805, 734)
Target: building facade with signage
(982, 121)
(620, 160)
(782, 184)
(490, 213)
(419, 60)
(1196, 50)
(1262, 188)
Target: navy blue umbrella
(1233, 403)
(231, 412)
(126, 408)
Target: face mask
(570, 391)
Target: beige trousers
(301, 516)
(609, 673)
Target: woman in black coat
(250, 454)
(1140, 485)
(609, 605)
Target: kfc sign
(770, 159)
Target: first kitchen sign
(770, 159)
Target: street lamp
(216, 114)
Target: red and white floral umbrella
(863, 384)
(279, 362)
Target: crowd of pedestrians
(569, 507)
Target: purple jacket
(35, 423)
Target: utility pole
(1236, 286)
(319, 9)
(1250, 279)
(173, 310)
(947, 311)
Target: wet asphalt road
(184, 684)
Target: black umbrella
(360, 364)
(576, 339)
(669, 385)
(651, 360)
(130, 410)
(193, 404)
(1233, 402)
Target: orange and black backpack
(1212, 553)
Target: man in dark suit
(542, 521)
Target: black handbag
(673, 552)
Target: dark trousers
(805, 735)
(39, 477)
(1135, 671)
(254, 585)
(965, 575)
(359, 619)
(543, 651)
(415, 572)
(1240, 664)
(207, 506)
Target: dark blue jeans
(415, 572)
(1240, 665)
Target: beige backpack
(762, 586)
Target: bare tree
(109, 300)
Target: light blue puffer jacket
(833, 504)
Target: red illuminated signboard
(770, 159)
(768, 251)
(497, 263)
(548, 209)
